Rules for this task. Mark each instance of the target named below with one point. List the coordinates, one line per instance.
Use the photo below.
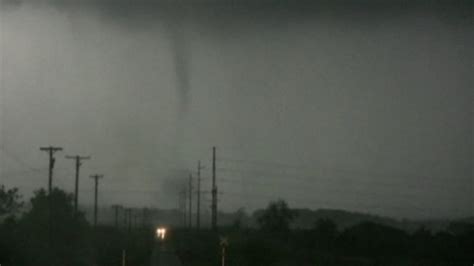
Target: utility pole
(214, 192)
(116, 212)
(182, 203)
(129, 210)
(145, 217)
(136, 218)
(190, 207)
(198, 194)
(51, 150)
(78, 160)
(124, 218)
(96, 181)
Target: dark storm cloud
(181, 59)
(258, 8)
(139, 14)
(224, 15)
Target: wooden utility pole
(144, 217)
(198, 194)
(136, 218)
(190, 198)
(125, 218)
(116, 213)
(214, 192)
(182, 207)
(96, 191)
(51, 150)
(78, 160)
(129, 211)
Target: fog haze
(361, 107)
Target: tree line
(51, 232)
(26, 239)
(276, 243)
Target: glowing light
(160, 233)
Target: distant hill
(306, 218)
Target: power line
(290, 187)
(260, 163)
(22, 173)
(294, 167)
(18, 160)
(286, 176)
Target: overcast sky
(364, 107)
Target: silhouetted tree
(10, 201)
(459, 228)
(276, 217)
(373, 240)
(240, 217)
(26, 241)
(68, 243)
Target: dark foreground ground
(363, 245)
(64, 237)
(164, 255)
